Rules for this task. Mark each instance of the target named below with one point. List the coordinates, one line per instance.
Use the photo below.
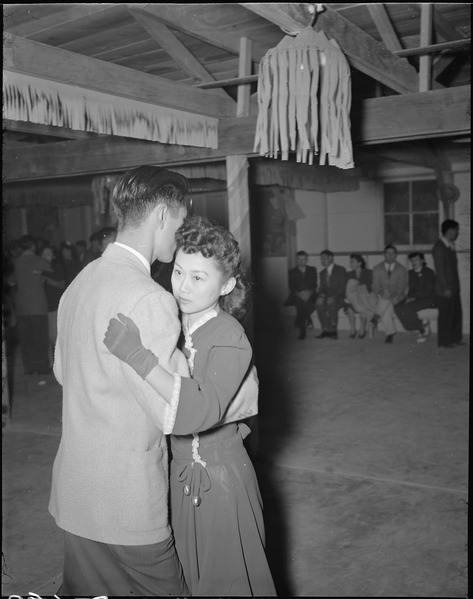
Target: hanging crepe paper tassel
(28, 98)
(304, 101)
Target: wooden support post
(244, 70)
(425, 62)
(239, 215)
(237, 179)
(239, 205)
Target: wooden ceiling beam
(47, 130)
(399, 153)
(174, 48)
(441, 26)
(185, 18)
(48, 62)
(425, 115)
(381, 19)
(444, 32)
(363, 52)
(58, 19)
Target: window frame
(441, 209)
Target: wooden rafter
(381, 19)
(185, 18)
(48, 62)
(172, 46)
(63, 18)
(47, 130)
(444, 32)
(417, 156)
(362, 51)
(423, 115)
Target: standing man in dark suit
(447, 286)
(303, 291)
(331, 295)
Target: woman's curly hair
(199, 234)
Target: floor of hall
(361, 451)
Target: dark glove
(124, 341)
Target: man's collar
(140, 257)
(447, 242)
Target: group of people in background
(35, 275)
(381, 295)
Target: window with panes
(411, 213)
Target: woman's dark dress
(220, 541)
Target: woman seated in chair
(359, 297)
(421, 295)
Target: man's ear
(229, 286)
(160, 213)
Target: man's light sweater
(110, 476)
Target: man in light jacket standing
(110, 476)
(390, 281)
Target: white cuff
(171, 408)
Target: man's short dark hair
(416, 255)
(449, 224)
(140, 190)
(327, 253)
(302, 253)
(390, 247)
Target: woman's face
(198, 283)
(354, 263)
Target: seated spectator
(302, 292)
(359, 297)
(390, 288)
(331, 295)
(93, 251)
(70, 262)
(421, 295)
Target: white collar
(448, 243)
(202, 320)
(140, 257)
(330, 268)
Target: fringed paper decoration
(304, 101)
(28, 98)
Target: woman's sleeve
(204, 399)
